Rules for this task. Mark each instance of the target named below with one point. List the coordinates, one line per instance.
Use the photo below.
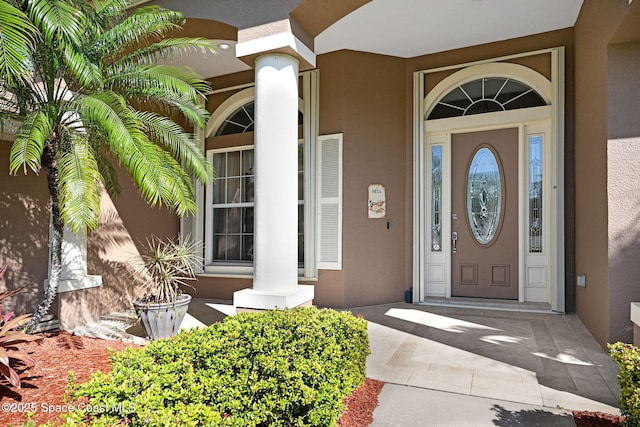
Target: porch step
(489, 304)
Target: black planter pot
(162, 320)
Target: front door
(484, 213)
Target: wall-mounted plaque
(377, 203)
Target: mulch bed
(43, 385)
(361, 404)
(596, 419)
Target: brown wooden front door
(484, 211)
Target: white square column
(275, 282)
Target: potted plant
(165, 265)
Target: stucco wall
(24, 242)
(126, 222)
(24, 234)
(597, 22)
(623, 152)
(373, 114)
(624, 235)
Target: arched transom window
(486, 95)
(239, 121)
(242, 120)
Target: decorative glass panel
(486, 95)
(484, 195)
(436, 198)
(535, 194)
(300, 204)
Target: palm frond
(136, 29)
(180, 144)
(109, 174)
(17, 37)
(178, 191)
(84, 71)
(169, 89)
(29, 142)
(109, 112)
(171, 105)
(157, 175)
(166, 50)
(80, 182)
(159, 78)
(57, 20)
(105, 12)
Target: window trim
(230, 267)
(241, 267)
(552, 115)
(309, 106)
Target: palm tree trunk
(50, 165)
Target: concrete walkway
(449, 366)
(452, 366)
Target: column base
(252, 299)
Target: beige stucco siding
(24, 234)
(623, 179)
(594, 28)
(374, 112)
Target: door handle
(454, 239)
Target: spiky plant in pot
(166, 265)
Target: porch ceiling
(417, 27)
(406, 28)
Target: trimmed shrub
(627, 357)
(275, 368)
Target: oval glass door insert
(484, 195)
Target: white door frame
(534, 271)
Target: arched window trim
(519, 73)
(230, 106)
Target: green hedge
(627, 357)
(275, 368)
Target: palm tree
(97, 91)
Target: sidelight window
(535, 193)
(436, 198)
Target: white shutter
(329, 202)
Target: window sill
(230, 275)
(225, 275)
